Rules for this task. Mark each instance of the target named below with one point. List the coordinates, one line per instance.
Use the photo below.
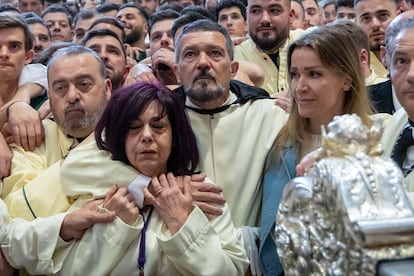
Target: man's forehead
(188, 37)
(266, 3)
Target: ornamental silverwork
(350, 211)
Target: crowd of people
(156, 137)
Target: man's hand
(5, 157)
(45, 111)
(25, 125)
(283, 100)
(5, 268)
(207, 196)
(140, 72)
(76, 223)
(120, 201)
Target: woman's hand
(120, 201)
(172, 203)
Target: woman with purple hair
(144, 141)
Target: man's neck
(7, 91)
(211, 104)
(140, 44)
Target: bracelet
(8, 108)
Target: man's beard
(134, 36)
(80, 127)
(375, 46)
(200, 92)
(117, 80)
(268, 44)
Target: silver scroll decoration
(350, 211)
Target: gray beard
(201, 92)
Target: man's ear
(177, 73)
(383, 53)
(291, 16)
(126, 72)
(234, 67)
(29, 56)
(108, 89)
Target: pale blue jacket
(281, 170)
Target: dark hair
(38, 20)
(7, 7)
(107, 7)
(357, 1)
(103, 32)
(127, 104)
(204, 25)
(58, 8)
(15, 21)
(111, 21)
(198, 9)
(160, 16)
(184, 20)
(48, 53)
(171, 6)
(86, 14)
(141, 10)
(226, 4)
(344, 3)
(358, 36)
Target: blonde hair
(337, 51)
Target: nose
(410, 73)
(165, 41)
(375, 23)
(203, 61)
(103, 55)
(72, 94)
(299, 84)
(265, 17)
(146, 134)
(229, 21)
(4, 51)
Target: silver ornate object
(350, 211)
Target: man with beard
(78, 94)
(135, 20)
(110, 49)
(235, 124)
(374, 16)
(268, 25)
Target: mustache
(74, 106)
(204, 73)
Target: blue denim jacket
(280, 172)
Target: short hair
(27, 15)
(344, 3)
(76, 50)
(38, 20)
(83, 15)
(103, 32)
(325, 3)
(7, 7)
(393, 30)
(185, 19)
(357, 1)
(358, 35)
(198, 9)
(107, 7)
(58, 8)
(141, 10)
(161, 16)
(15, 21)
(111, 21)
(226, 4)
(204, 25)
(124, 107)
(48, 53)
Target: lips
(148, 152)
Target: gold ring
(159, 191)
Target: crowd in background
(157, 137)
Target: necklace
(141, 255)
